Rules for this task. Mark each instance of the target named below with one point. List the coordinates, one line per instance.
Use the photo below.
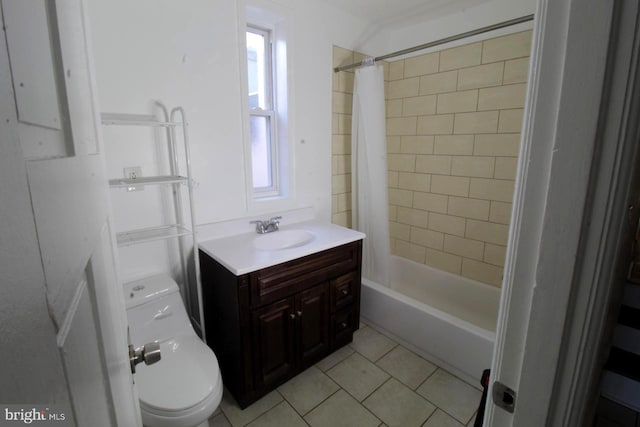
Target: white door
(54, 124)
(574, 166)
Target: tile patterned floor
(372, 382)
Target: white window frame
(278, 19)
(269, 112)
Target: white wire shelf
(133, 237)
(147, 180)
(118, 119)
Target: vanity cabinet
(268, 325)
(289, 334)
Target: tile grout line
(360, 403)
(452, 416)
(320, 403)
(259, 415)
(392, 376)
(312, 409)
(353, 397)
(430, 415)
(464, 424)
(298, 413)
(217, 415)
(376, 361)
(374, 390)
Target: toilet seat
(185, 379)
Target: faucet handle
(259, 225)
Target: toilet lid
(186, 375)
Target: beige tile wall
(341, 137)
(453, 133)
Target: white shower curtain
(370, 209)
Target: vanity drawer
(343, 323)
(273, 283)
(343, 290)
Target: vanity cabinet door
(273, 343)
(312, 311)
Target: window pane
(257, 71)
(261, 151)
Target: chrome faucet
(267, 226)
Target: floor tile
(363, 323)
(219, 421)
(451, 394)
(305, 391)
(334, 358)
(371, 343)
(397, 405)
(282, 415)
(406, 366)
(358, 376)
(341, 410)
(241, 417)
(472, 421)
(440, 419)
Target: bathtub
(447, 319)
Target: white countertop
(238, 253)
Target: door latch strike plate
(503, 397)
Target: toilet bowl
(185, 387)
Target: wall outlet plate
(133, 172)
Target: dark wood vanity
(268, 325)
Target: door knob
(149, 354)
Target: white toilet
(185, 387)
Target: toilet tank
(155, 310)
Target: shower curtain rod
(486, 29)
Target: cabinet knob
(292, 316)
(343, 325)
(299, 313)
(345, 292)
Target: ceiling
(391, 13)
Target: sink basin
(282, 239)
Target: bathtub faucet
(267, 226)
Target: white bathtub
(448, 319)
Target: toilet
(185, 387)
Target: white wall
(430, 28)
(178, 53)
(188, 53)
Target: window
(262, 113)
